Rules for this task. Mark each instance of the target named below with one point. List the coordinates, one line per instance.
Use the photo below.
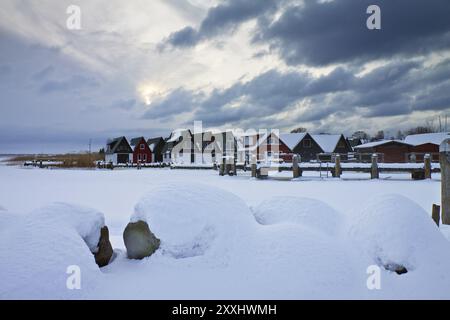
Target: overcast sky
(142, 67)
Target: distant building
(156, 146)
(302, 144)
(332, 143)
(118, 151)
(391, 151)
(141, 151)
(311, 147)
(426, 143)
(182, 146)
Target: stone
(139, 240)
(397, 268)
(105, 250)
(418, 175)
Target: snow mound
(294, 261)
(41, 246)
(298, 210)
(86, 221)
(393, 229)
(190, 218)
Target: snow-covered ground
(221, 237)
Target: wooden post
(228, 168)
(427, 165)
(435, 214)
(444, 159)
(295, 167)
(374, 174)
(253, 166)
(337, 166)
(222, 168)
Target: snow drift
(394, 231)
(298, 210)
(193, 219)
(37, 249)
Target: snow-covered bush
(298, 210)
(37, 248)
(394, 230)
(191, 218)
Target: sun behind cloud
(149, 91)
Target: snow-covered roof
(292, 139)
(327, 142)
(378, 143)
(176, 134)
(434, 138)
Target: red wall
(137, 151)
(393, 153)
(425, 148)
(283, 150)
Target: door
(122, 158)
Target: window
(272, 141)
(142, 146)
(307, 143)
(145, 157)
(139, 157)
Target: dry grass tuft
(68, 160)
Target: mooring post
(295, 166)
(374, 174)
(444, 159)
(253, 166)
(222, 167)
(435, 213)
(427, 165)
(337, 166)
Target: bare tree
(379, 135)
(299, 130)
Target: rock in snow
(139, 240)
(298, 210)
(105, 250)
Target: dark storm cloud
(398, 88)
(332, 32)
(177, 102)
(323, 33)
(222, 19)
